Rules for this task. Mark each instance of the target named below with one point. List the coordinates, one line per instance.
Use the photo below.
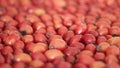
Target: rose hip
(75, 38)
(19, 65)
(62, 30)
(5, 65)
(22, 57)
(53, 54)
(81, 28)
(113, 50)
(91, 47)
(40, 38)
(27, 38)
(37, 47)
(78, 45)
(103, 46)
(39, 56)
(99, 56)
(88, 38)
(57, 44)
(98, 64)
(38, 25)
(80, 65)
(86, 59)
(26, 28)
(2, 59)
(36, 64)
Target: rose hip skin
(86, 52)
(81, 28)
(86, 59)
(88, 38)
(37, 47)
(99, 56)
(27, 28)
(40, 38)
(23, 57)
(57, 44)
(27, 38)
(79, 45)
(39, 56)
(53, 54)
(18, 65)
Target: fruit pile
(59, 33)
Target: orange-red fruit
(111, 58)
(40, 38)
(67, 36)
(88, 38)
(113, 50)
(54, 37)
(81, 28)
(18, 65)
(7, 50)
(62, 30)
(103, 46)
(86, 52)
(58, 44)
(23, 57)
(49, 65)
(91, 47)
(36, 64)
(10, 40)
(114, 40)
(53, 54)
(64, 64)
(37, 47)
(2, 59)
(101, 39)
(75, 38)
(39, 56)
(79, 45)
(98, 64)
(27, 38)
(99, 56)
(18, 45)
(5, 65)
(71, 51)
(27, 28)
(114, 30)
(80, 65)
(113, 65)
(86, 59)
(38, 25)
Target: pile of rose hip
(59, 33)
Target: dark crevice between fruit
(97, 18)
(6, 24)
(23, 32)
(48, 35)
(98, 48)
(119, 58)
(114, 35)
(64, 7)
